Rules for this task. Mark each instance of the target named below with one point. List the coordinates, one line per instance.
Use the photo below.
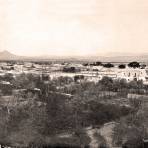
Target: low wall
(136, 96)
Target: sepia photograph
(73, 73)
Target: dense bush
(35, 119)
(122, 66)
(108, 65)
(134, 64)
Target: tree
(134, 64)
(26, 81)
(143, 66)
(122, 66)
(7, 77)
(63, 80)
(70, 69)
(130, 131)
(85, 64)
(108, 65)
(123, 83)
(78, 77)
(136, 104)
(98, 63)
(106, 83)
(133, 84)
(27, 123)
(4, 116)
(60, 115)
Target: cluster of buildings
(86, 72)
(96, 73)
(128, 73)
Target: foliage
(6, 89)
(132, 129)
(70, 69)
(62, 81)
(36, 118)
(122, 66)
(134, 64)
(135, 103)
(108, 65)
(7, 77)
(98, 63)
(24, 124)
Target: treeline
(32, 124)
(69, 86)
(133, 64)
(132, 130)
(120, 86)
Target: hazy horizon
(73, 27)
(109, 54)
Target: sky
(73, 27)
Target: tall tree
(134, 64)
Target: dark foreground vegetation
(38, 112)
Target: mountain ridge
(6, 55)
(118, 57)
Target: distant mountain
(113, 57)
(6, 55)
(118, 57)
(127, 58)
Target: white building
(132, 74)
(129, 74)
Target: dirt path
(105, 131)
(94, 141)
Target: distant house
(133, 74)
(97, 73)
